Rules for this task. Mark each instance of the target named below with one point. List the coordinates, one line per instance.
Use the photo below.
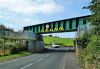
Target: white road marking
(26, 66)
(37, 61)
(65, 61)
(40, 59)
(17, 59)
(47, 56)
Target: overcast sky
(19, 13)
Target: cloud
(18, 24)
(20, 13)
(2, 17)
(31, 6)
(28, 21)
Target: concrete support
(31, 46)
(36, 45)
(40, 45)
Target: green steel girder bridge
(66, 25)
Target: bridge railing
(26, 35)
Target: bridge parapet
(26, 35)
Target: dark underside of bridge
(62, 31)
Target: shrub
(83, 41)
(92, 52)
(15, 49)
(93, 48)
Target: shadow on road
(50, 50)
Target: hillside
(63, 41)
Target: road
(52, 59)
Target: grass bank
(65, 41)
(14, 56)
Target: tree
(95, 17)
(92, 51)
(1, 43)
(51, 35)
(4, 28)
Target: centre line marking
(26, 66)
(65, 61)
(47, 55)
(40, 59)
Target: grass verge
(65, 41)
(14, 56)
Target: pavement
(52, 58)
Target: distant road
(52, 59)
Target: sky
(17, 14)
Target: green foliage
(83, 41)
(95, 17)
(90, 45)
(4, 28)
(92, 51)
(11, 46)
(14, 56)
(15, 49)
(93, 48)
(1, 43)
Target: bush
(8, 46)
(83, 41)
(1, 43)
(93, 48)
(16, 48)
(23, 48)
(91, 53)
